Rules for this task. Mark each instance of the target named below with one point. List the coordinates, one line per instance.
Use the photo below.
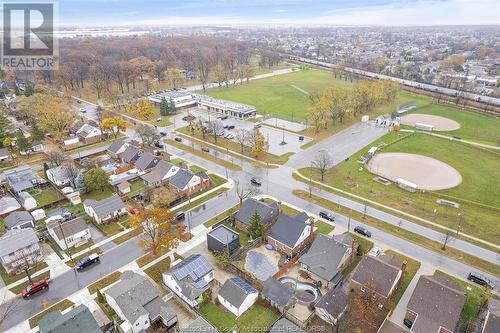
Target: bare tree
(322, 162)
(28, 258)
(147, 134)
(215, 127)
(71, 171)
(55, 157)
(7, 307)
(446, 238)
(241, 136)
(244, 191)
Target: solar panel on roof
(195, 266)
(243, 285)
(201, 284)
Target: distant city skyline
(278, 12)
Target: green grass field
(284, 95)
(481, 184)
(474, 126)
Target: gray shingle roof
(60, 174)
(235, 291)
(4, 152)
(189, 275)
(131, 154)
(287, 229)
(21, 178)
(372, 270)
(69, 227)
(277, 292)
(390, 327)
(224, 234)
(266, 211)
(8, 204)
(285, 326)
(199, 325)
(334, 301)
(14, 240)
(438, 303)
(116, 146)
(146, 161)
(106, 206)
(136, 296)
(158, 172)
(324, 256)
(16, 218)
(77, 320)
(181, 179)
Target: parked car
(83, 110)
(255, 181)
(257, 126)
(34, 287)
(180, 216)
(327, 215)
(408, 323)
(480, 279)
(163, 133)
(229, 136)
(79, 101)
(230, 127)
(374, 252)
(362, 231)
(158, 119)
(178, 139)
(87, 261)
(205, 149)
(158, 144)
(134, 211)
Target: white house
(17, 247)
(27, 201)
(60, 175)
(160, 174)
(104, 209)
(8, 204)
(190, 278)
(76, 232)
(19, 220)
(237, 296)
(136, 301)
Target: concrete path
(399, 312)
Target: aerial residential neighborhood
(234, 167)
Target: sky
(278, 12)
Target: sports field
(480, 183)
(285, 95)
(473, 125)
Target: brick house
(290, 234)
(185, 182)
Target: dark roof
(115, 146)
(189, 275)
(324, 256)
(158, 172)
(277, 292)
(181, 179)
(287, 229)
(372, 270)
(131, 154)
(438, 302)
(285, 326)
(146, 161)
(334, 301)
(235, 291)
(224, 234)
(77, 320)
(69, 227)
(16, 218)
(106, 206)
(21, 178)
(266, 211)
(199, 325)
(390, 327)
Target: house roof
(324, 256)
(14, 240)
(224, 234)
(390, 327)
(21, 178)
(77, 320)
(131, 154)
(266, 211)
(438, 302)
(23, 196)
(146, 161)
(106, 206)
(8, 204)
(181, 179)
(189, 275)
(69, 228)
(116, 145)
(4, 152)
(287, 229)
(199, 325)
(136, 296)
(372, 270)
(284, 325)
(158, 172)
(277, 292)
(124, 185)
(60, 173)
(17, 218)
(334, 301)
(235, 291)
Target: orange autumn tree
(160, 228)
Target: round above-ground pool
(304, 292)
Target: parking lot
(274, 136)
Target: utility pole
(65, 242)
(349, 221)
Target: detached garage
(223, 239)
(237, 296)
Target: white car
(83, 110)
(374, 252)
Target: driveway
(98, 236)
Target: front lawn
(82, 247)
(412, 267)
(61, 306)
(8, 279)
(156, 271)
(323, 227)
(364, 246)
(104, 282)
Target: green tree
(22, 143)
(222, 259)
(164, 107)
(96, 179)
(171, 107)
(100, 297)
(256, 227)
(4, 129)
(80, 182)
(28, 89)
(37, 134)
